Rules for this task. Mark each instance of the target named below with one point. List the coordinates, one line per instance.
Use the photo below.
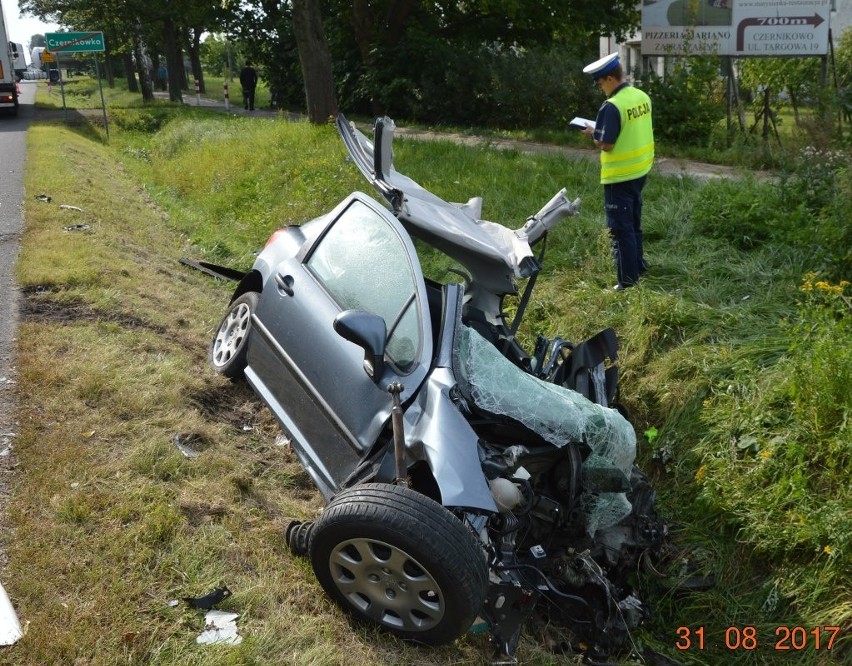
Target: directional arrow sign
(775, 22)
(75, 42)
(750, 28)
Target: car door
(313, 379)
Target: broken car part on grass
(465, 476)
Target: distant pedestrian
(624, 133)
(163, 77)
(248, 81)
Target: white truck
(20, 61)
(8, 79)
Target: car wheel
(228, 348)
(394, 557)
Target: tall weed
(806, 211)
(777, 451)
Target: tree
(388, 53)
(213, 53)
(798, 77)
(315, 59)
(168, 26)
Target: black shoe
(621, 287)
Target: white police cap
(603, 66)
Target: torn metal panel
(493, 252)
(213, 270)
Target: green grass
(83, 92)
(744, 148)
(722, 353)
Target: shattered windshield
(558, 415)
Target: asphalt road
(13, 133)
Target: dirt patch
(201, 513)
(667, 166)
(38, 306)
(234, 405)
(8, 460)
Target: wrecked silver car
(465, 477)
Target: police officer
(624, 133)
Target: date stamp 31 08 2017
(749, 638)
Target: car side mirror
(368, 331)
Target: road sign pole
(103, 103)
(61, 88)
(77, 42)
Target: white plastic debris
(185, 449)
(220, 627)
(10, 628)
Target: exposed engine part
(578, 569)
(633, 611)
(567, 477)
(506, 494)
(506, 608)
(297, 536)
(506, 526)
(547, 509)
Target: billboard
(736, 27)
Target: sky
(21, 29)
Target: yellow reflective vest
(633, 153)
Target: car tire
(391, 556)
(227, 353)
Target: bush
(778, 449)
(819, 183)
(744, 214)
(483, 85)
(142, 120)
(807, 210)
(688, 101)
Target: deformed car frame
(464, 476)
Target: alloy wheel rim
(387, 585)
(231, 334)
